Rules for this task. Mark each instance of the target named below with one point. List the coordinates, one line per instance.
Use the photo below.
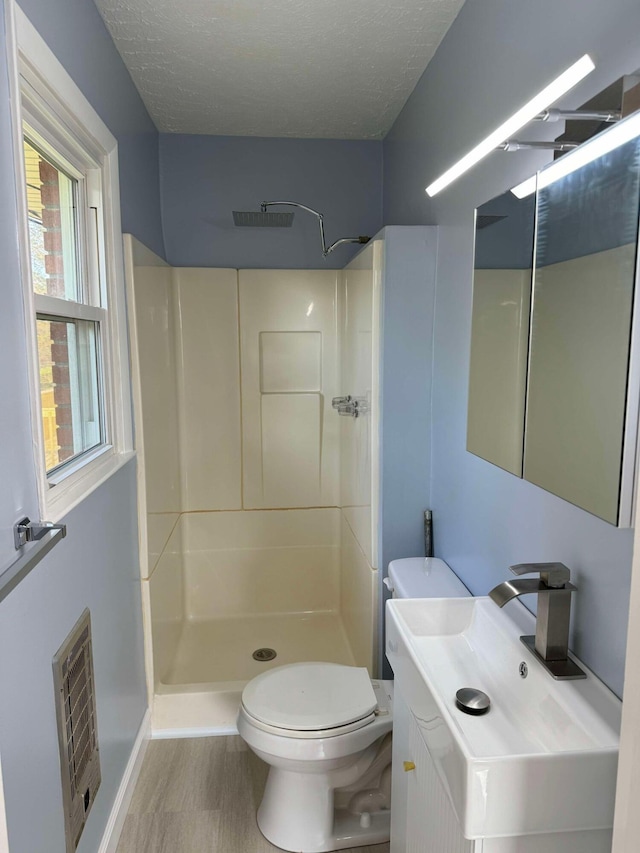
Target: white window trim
(38, 74)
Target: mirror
(500, 330)
(572, 377)
(585, 261)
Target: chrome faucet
(551, 642)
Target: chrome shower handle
(340, 401)
(350, 407)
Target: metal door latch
(30, 531)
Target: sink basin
(544, 757)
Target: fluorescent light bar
(567, 80)
(617, 135)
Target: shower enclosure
(258, 502)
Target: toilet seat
(310, 700)
(308, 735)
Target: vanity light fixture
(558, 87)
(610, 139)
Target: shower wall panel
(155, 397)
(157, 354)
(289, 375)
(359, 313)
(359, 372)
(239, 451)
(160, 526)
(358, 599)
(166, 591)
(208, 388)
(262, 562)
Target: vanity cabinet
(535, 775)
(423, 819)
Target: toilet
(420, 577)
(324, 729)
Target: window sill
(65, 496)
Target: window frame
(55, 116)
(86, 175)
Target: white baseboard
(193, 731)
(120, 808)
(198, 713)
(4, 837)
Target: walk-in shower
(255, 495)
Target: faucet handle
(554, 575)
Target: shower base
(200, 692)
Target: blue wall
(96, 566)
(407, 346)
(408, 299)
(76, 33)
(495, 56)
(204, 178)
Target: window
(73, 279)
(69, 358)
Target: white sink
(543, 759)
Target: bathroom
(177, 194)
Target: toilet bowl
(324, 729)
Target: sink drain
(472, 701)
(264, 654)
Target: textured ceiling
(339, 69)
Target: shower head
(261, 219)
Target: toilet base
(347, 832)
(327, 792)
(297, 814)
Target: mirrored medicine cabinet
(553, 382)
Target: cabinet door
(431, 823)
(399, 777)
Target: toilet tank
(424, 577)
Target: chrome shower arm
(266, 204)
(325, 249)
(345, 240)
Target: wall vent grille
(77, 728)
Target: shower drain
(264, 654)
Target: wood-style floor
(200, 795)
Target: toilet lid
(310, 696)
